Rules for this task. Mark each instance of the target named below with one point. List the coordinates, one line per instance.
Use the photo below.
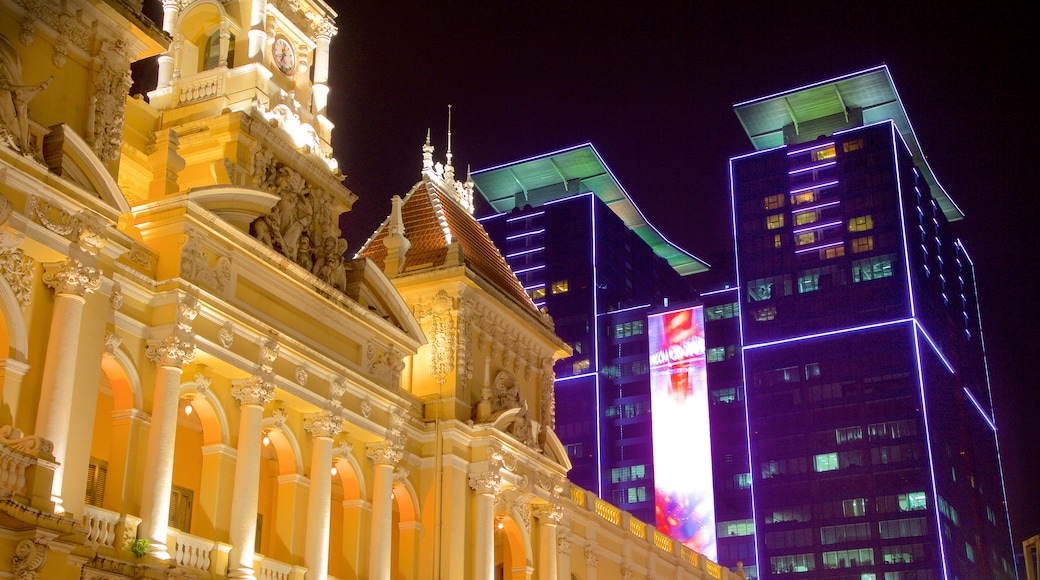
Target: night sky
(651, 85)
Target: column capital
(549, 513)
(325, 30)
(324, 424)
(72, 277)
(591, 556)
(171, 352)
(486, 483)
(254, 391)
(386, 452)
(564, 544)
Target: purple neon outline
(826, 333)
(823, 247)
(931, 460)
(978, 407)
(572, 377)
(525, 234)
(525, 252)
(814, 207)
(805, 149)
(902, 219)
(743, 359)
(595, 338)
(522, 217)
(569, 197)
(861, 127)
(989, 390)
(622, 310)
(815, 226)
(720, 291)
(531, 269)
(935, 347)
(541, 285)
(490, 217)
(812, 187)
(823, 165)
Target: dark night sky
(652, 84)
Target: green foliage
(139, 547)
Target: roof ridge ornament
(427, 153)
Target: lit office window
(861, 223)
(560, 286)
(774, 202)
(864, 244)
(775, 221)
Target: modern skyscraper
(585, 253)
(873, 449)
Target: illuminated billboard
(684, 494)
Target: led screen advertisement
(685, 500)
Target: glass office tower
(873, 449)
(585, 253)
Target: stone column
(257, 31)
(487, 485)
(71, 281)
(591, 559)
(225, 44)
(169, 355)
(322, 427)
(251, 395)
(564, 545)
(549, 516)
(171, 9)
(385, 456)
(323, 35)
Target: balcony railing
(192, 552)
(101, 526)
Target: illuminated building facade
(873, 450)
(584, 252)
(195, 384)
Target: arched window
(211, 53)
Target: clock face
(284, 56)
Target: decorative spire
(449, 169)
(427, 153)
(396, 244)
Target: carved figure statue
(14, 97)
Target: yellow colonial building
(197, 384)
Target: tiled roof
(432, 220)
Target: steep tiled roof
(432, 221)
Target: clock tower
(238, 124)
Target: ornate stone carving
(390, 450)
(467, 323)
(227, 334)
(548, 379)
(14, 99)
(111, 83)
(507, 392)
(343, 449)
(202, 265)
(72, 277)
(436, 316)
(142, 257)
(522, 427)
(325, 28)
(401, 474)
(28, 25)
(255, 391)
(171, 352)
(324, 424)
(366, 408)
(116, 298)
(29, 556)
(202, 382)
(591, 557)
(337, 388)
(279, 416)
(17, 268)
(564, 544)
(51, 217)
(32, 445)
(269, 351)
(112, 342)
(487, 482)
(551, 512)
(626, 571)
(302, 226)
(187, 310)
(386, 366)
(301, 376)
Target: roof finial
(449, 169)
(427, 153)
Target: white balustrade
(101, 526)
(273, 569)
(192, 552)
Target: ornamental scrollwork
(255, 391)
(111, 83)
(171, 351)
(18, 269)
(29, 556)
(437, 317)
(324, 424)
(72, 277)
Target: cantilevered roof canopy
(870, 91)
(573, 171)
